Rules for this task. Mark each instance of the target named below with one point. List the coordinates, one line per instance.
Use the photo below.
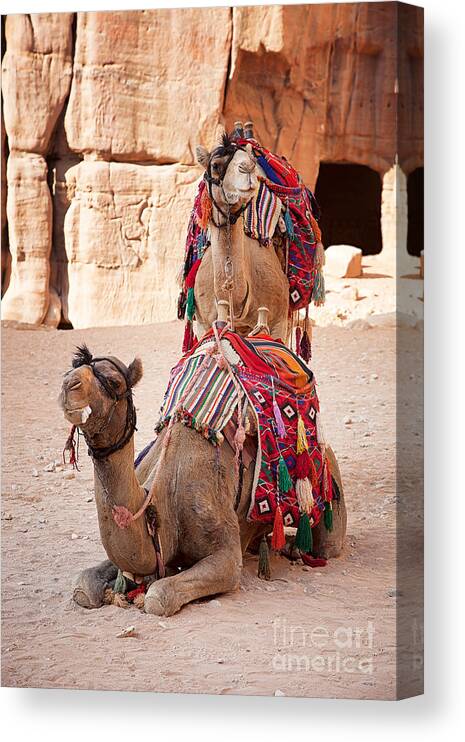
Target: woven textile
(268, 374)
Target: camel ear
(202, 155)
(135, 372)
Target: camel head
(96, 394)
(231, 174)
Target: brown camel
(239, 268)
(192, 493)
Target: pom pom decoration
(278, 539)
(303, 538)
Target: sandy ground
(323, 632)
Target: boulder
(343, 261)
(29, 212)
(124, 234)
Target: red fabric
(134, 593)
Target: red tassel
(305, 347)
(298, 337)
(313, 475)
(188, 340)
(278, 539)
(191, 276)
(303, 467)
(328, 487)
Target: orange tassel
(278, 539)
(205, 210)
(313, 475)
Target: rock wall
(102, 113)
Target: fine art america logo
(347, 649)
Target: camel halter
(230, 217)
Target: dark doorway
(415, 184)
(350, 201)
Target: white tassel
(320, 431)
(304, 494)
(320, 257)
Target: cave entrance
(350, 201)
(415, 184)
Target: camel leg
(329, 544)
(218, 573)
(90, 584)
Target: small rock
(220, 661)
(215, 603)
(279, 692)
(7, 516)
(306, 569)
(163, 625)
(69, 475)
(50, 467)
(393, 593)
(42, 520)
(89, 499)
(74, 536)
(347, 421)
(128, 631)
(374, 377)
(351, 293)
(35, 473)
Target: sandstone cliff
(102, 112)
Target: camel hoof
(83, 599)
(160, 599)
(90, 584)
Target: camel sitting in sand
(192, 518)
(236, 268)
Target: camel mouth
(84, 412)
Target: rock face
(121, 242)
(102, 112)
(29, 213)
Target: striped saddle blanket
(263, 378)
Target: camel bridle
(131, 416)
(230, 217)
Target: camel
(239, 268)
(193, 522)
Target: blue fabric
(143, 454)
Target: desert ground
(324, 632)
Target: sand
(327, 632)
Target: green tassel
(318, 293)
(190, 305)
(289, 224)
(303, 537)
(264, 560)
(120, 584)
(328, 516)
(284, 480)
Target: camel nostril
(74, 385)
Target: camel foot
(90, 584)
(161, 599)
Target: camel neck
(230, 264)
(115, 483)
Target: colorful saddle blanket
(263, 378)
